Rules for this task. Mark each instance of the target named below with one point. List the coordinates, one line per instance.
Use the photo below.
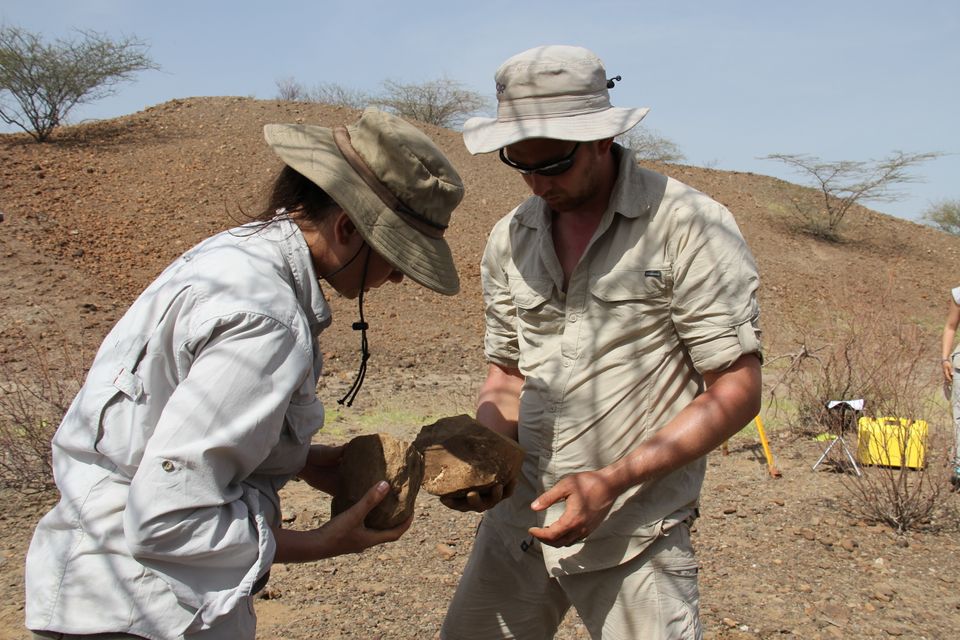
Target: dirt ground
(90, 220)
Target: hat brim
(311, 150)
(483, 135)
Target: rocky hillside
(94, 215)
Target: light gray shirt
(199, 406)
(665, 290)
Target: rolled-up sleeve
(714, 307)
(500, 336)
(189, 515)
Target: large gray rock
(461, 455)
(369, 459)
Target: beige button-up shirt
(665, 290)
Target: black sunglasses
(554, 168)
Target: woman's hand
(344, 533)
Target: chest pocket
(630, 312)
(537, 314)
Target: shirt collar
(307, 287)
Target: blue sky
(728, 82)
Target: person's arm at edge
(946, 343)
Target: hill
(109, 204)
(91, 218)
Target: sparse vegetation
(650, 145)
(35, 393)
(443, 102)
(289, 89)
(845, 183)
(944, 215)
(886, 363)
(47, 80)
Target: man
(949, 375)
(623, 346)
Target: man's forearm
(731, 400)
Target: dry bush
(892, 365)
(37, 385)
(897, 495)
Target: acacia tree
(47, 80)
(845, 183)
(944, 215)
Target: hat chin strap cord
(362, 327)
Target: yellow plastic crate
(887, 441)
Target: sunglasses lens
(554, 169)
(549, 169)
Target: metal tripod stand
(848, 409)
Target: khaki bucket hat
(392, 180)
(554, 91)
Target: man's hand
(322, 468)
(588, 496)
(947, 366)
(480, 501)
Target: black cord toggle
(362, 327)
(610, 81)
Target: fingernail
(382, 486)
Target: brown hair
(292, 192)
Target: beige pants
(654, 596)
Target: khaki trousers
(653, 596)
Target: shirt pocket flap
(304, 420)
(624, 286)
(530, 294)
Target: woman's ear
(344, 231)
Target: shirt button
(167, 466)
(566, 363)
(574, 317)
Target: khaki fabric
(666, 290)
(396, 185)
(654, 596)
(553, 91)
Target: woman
(951, 382)
(201, 403)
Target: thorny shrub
(37, 385)
(892, 365)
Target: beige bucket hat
(555, 91)
(392, 180)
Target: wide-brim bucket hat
(554, 91)
(393, 182)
